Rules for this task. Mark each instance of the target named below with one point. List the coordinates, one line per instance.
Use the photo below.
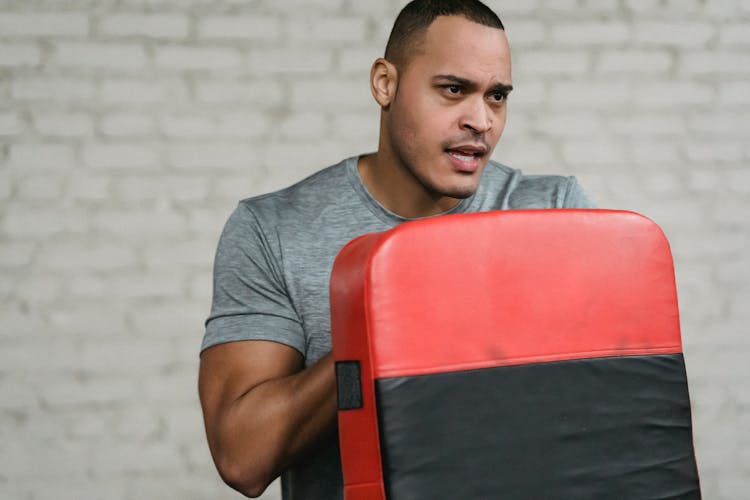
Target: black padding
(585, 429)
(348, 385)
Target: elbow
(249, 481)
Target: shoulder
(535, 191)
(308, 196)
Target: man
(267, 379)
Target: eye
(452, 89)
(498, 97)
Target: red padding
(439, 294)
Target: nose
(476, 117)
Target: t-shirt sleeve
(575, 196)
(250, 299)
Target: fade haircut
(417, 16)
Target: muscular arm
(262, 409)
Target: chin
(460, 193)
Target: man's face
(449, 110)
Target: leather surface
(472, 291)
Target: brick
(630, 62)
(197, 58)
(62, 124)
(596, 95)
(705, 181)
(210, 221)
(151, 188)
(663, 183)
(293, 162)
(172, 388)
(41, 156)
(86, 255)
(734, 93)
(674, 94)
(19, 55)
(97, 317)
(34, 290)
(299, 7)
(360, 125)
(358, 60)
(52, 88)
(15, 254)
(527, 93)
(290, 61)
(88, 188)
(211, 155)
(201, 286)
(262, 93)
(18, 396)
(715, 63)
(114, 56)
(720, 123)
(224, 125)
(567, 125)
(124, 155)
(183, 320)
(591, 33)
(174, 26)
(714, 151)
(67, 391)
(10, 123)
(738, 180)
(593, 151)
(123, 356)
(524, 152)
(40, 188)
(647, 124)
(5, 185)
(154, 224)
(312, 30)
(526, 33)
(25, 222)
(513, 8)
(127, 124)
(133, 91)
(551, 63)
(656, 153)
(732, 213)
(735, 35)
(182, 254)
(244, 27)
(324, 93)
(679, 34)
(234, 187)
(304, 125)
(36, 24)
(137, 424)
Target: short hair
(417, 16)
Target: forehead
(456, 45)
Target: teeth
(462, 157)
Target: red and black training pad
(521, 354)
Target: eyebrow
(500, 87)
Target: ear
(383, 81)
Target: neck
(396, 188)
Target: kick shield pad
(512, 354)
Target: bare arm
(262, 409)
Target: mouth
(467, 157)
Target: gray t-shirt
(274, 260)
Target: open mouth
(466, 158)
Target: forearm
(267, 428)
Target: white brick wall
(129, 130)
